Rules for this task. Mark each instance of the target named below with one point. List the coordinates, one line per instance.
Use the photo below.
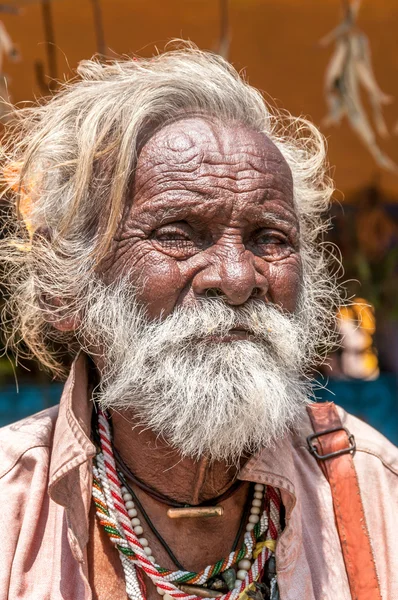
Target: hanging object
(225, 38)
(8, 9)
(47, 77)
(99, 28)
(349, 70)
(47, 83)
(7, 50)
(7, 47)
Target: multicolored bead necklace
(117, 513)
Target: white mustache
(214, 318)
(203, 396)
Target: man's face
(211, 214)
(209, 247)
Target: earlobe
(66, 324)
(56, 313)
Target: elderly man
(165, 246)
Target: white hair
(177, 377)
(69, 163)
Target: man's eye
(175, 241)
(272, 245)
(171, 236)
(171, 239)
(267, 238)
(270, 237)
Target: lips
(235, 334)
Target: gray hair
(69, 163)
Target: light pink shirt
(45, 495)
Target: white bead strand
(247, 568)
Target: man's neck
(161, 467)
(196, 542)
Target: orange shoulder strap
(333, 447)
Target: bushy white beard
(204, 396)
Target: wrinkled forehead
(222, 151)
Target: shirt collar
(278, 466)
(70, 477)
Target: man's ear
(54, 315)
(66, 324)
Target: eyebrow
(160, 207)
(164, 215)
(277, 220)
(164, 207)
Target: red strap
(347, 503)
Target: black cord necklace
(166, 499)
(163, 542)
(125, 475)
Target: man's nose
(232, 274)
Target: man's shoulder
(372, 448)
(370, 442)
(17, 439)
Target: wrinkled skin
(212, 210)
(211, 213)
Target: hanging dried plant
(223, 48)
(349, 70)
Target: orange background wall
(275, 41)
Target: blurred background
(335, 62)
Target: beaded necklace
(117, 514)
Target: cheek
(285, 282)
(158, 281)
